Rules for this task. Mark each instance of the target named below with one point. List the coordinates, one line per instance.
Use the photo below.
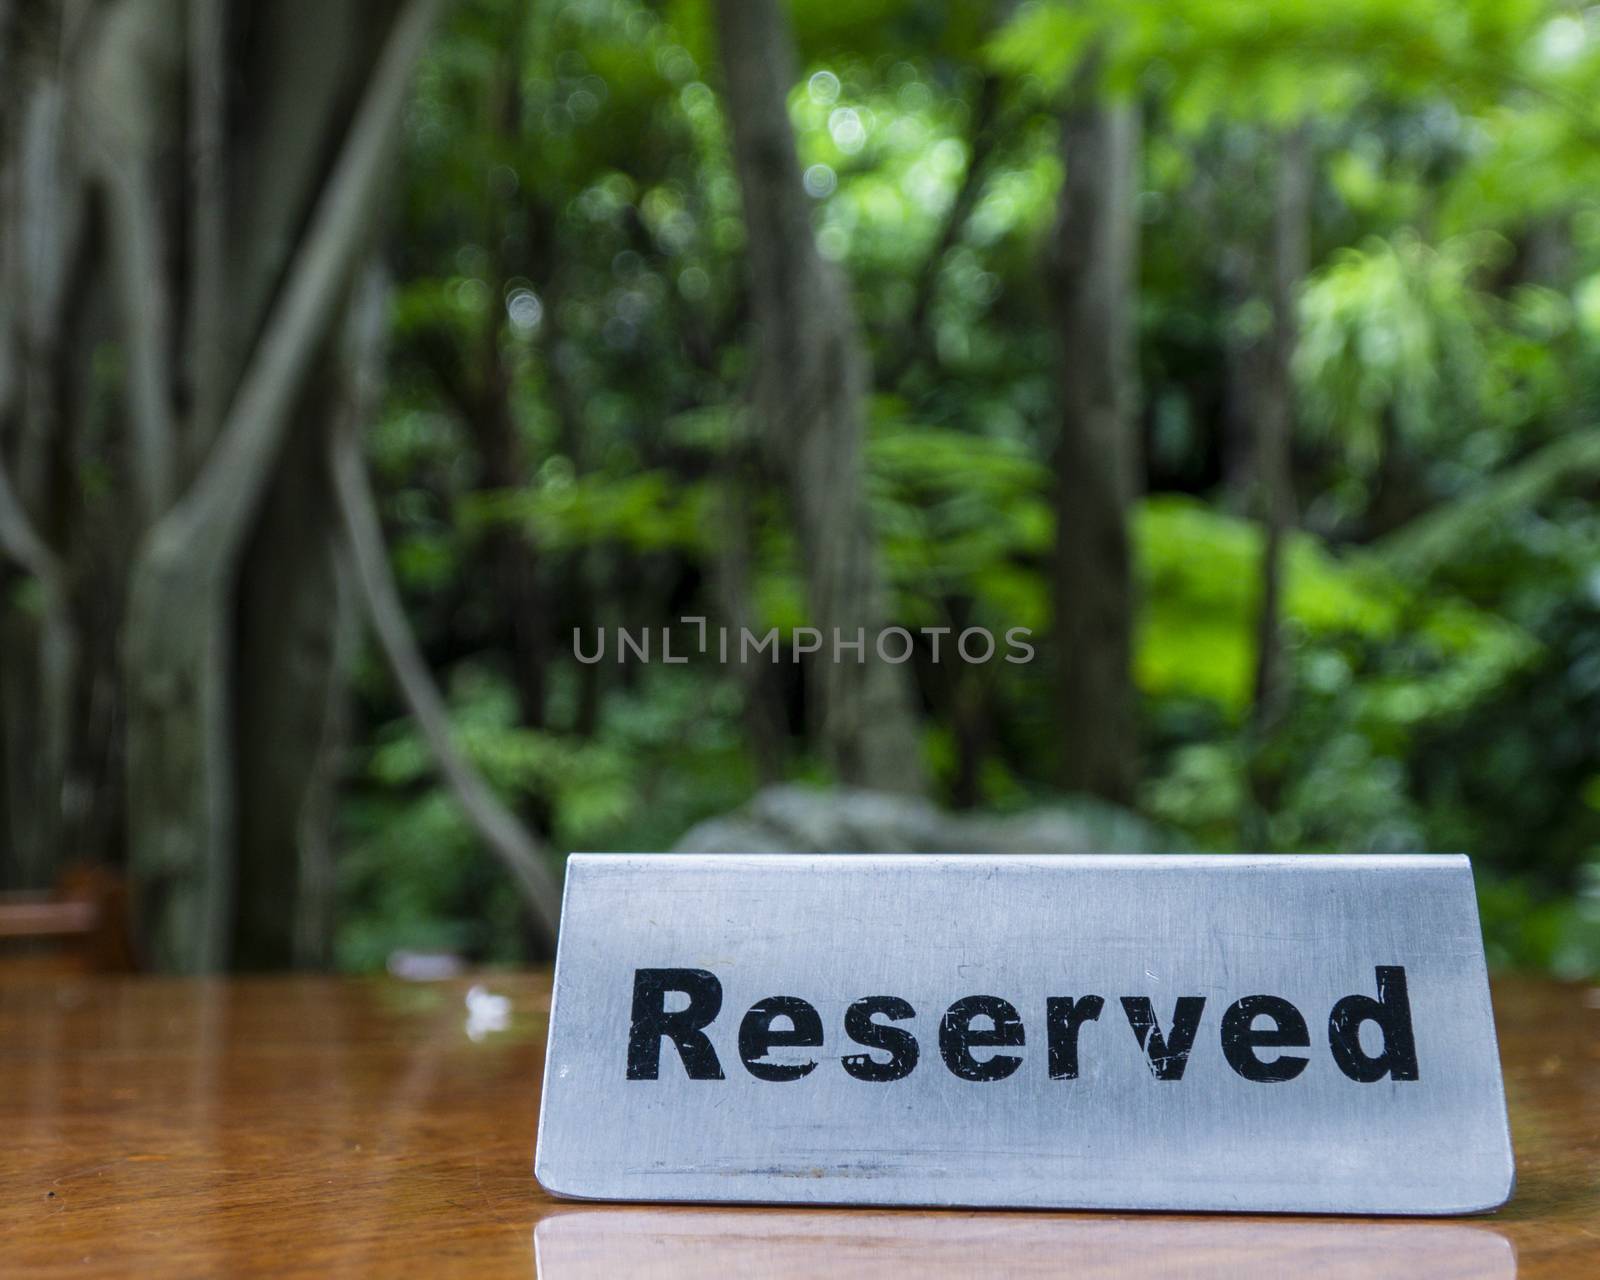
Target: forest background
(363, 365)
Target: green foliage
(1277, 60)
(1200, 584)
(664, 756)
(645, 511)
(961, 515)
(569, 251)
(1394, 338)
(1527, 929)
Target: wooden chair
(79, 927)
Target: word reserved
(1250, 1028)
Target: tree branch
(985, 131)
(146, 314)
(1430, 540)
(207, 314)
(506, 837)
(58, 638)
(130, 87)
(9, 221)
(21, 541)
(211, 520)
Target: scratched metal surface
(932, 929)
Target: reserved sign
(1299, 1033)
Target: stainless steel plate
(1296, 1034)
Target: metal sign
(1265, 1034)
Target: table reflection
(777, 1244)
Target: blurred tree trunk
(1097, 456)
(226, 157)
(513, 560)
(510, 553)
(41, 231)
(294, 638)
(293, 620)
(1271, 403)
(761, 707)
(518, 232)
(810, 380)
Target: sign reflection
(597, 1244)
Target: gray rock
(793, 819)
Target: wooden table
(323, 1125)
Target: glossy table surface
(324, 1126)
